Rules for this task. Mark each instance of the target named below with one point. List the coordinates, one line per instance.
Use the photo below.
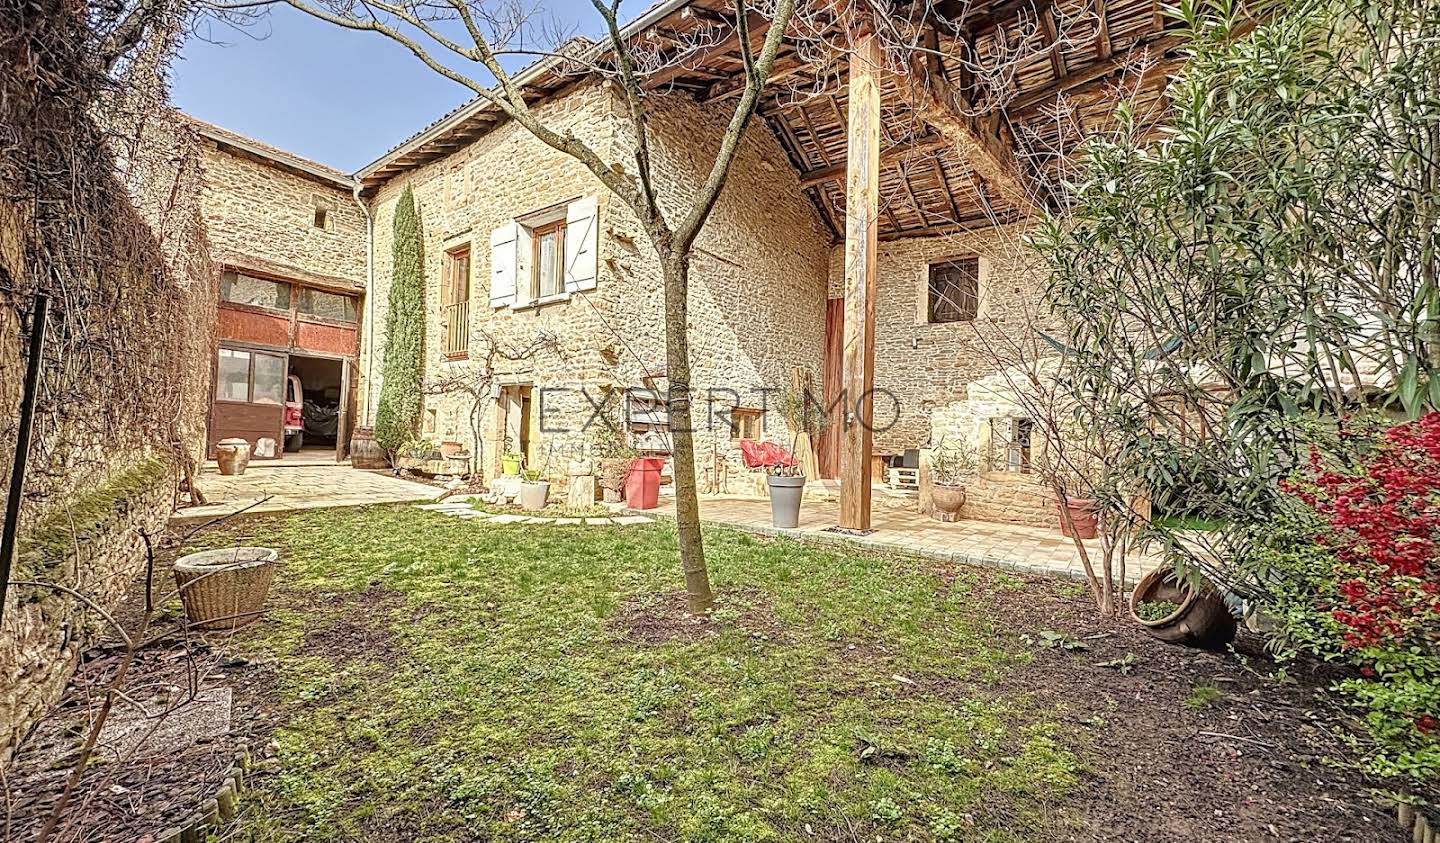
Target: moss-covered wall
(94, 544)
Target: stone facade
(927, 366)
(261, 214)
(996, 494)
(757, 300)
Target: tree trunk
(675, 270)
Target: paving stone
(598, 522)
(509, 519)
(568, 520)
(633, 519)
(1010, 547)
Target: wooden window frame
(740, 418)
(251, 354)
(558, 229)
(962, 313)
(455, 302)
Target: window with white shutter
(503, 242)
(582, 242)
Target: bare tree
(479, 33)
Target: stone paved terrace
(1008, 546)
(303, 485)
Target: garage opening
(313, 398)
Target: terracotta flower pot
(1083, 514)
(947, 501)
(1201, 618)
(232, 456)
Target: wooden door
(344, 423)
(249, 398)
(828, 449)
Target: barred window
(954, 290)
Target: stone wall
(1014, 497)
(94, 545)
(926, 366)
(101, 214)
(757, 287)
(260, 210)
(462, 198)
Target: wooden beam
(928, 143)
(815, 135)
(862, 158)
(1102, 31)
(937, 103)
(1052, 39)
(1099, 70)
(784, 68)
(691, 61)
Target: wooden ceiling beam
(928, 143)
(947, 111)
(1096, 71)
(1052, 40)
(690, 61)
(1103, 47)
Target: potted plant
(511, 459)
(951, 466)
(1180, 613)
(784, 479)
(534, 491)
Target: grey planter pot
(534, 496)
(785, 495)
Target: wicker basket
(225, 589)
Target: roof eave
(480, 105)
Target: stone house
(288, 237)
(543, 303)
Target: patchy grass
(513, 683)
(1203, 696)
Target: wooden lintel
(928, 143)
(862, 228)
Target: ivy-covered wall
(100, 211)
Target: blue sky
(326, 93)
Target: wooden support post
(862, 201)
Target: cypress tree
(398, 417)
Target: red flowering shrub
(1379, 498)
(1353, 573)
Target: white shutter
(524, 272)
(502, 264)
(582, 241)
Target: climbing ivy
(398, 416)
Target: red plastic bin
(642, 483)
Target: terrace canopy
(903, 120)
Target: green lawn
(446, 680)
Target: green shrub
(398, 416)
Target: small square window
(954, 290)
(745, 423)
(1010, 443)
(322, 218)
